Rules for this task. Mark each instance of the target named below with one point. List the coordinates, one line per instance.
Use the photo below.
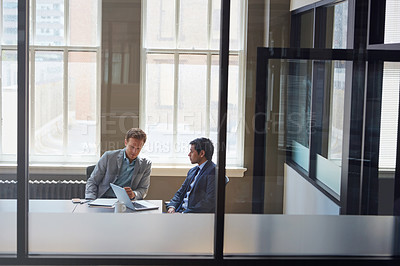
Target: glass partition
(86, 76)
(392, 21)
(312, 200)
(99, 67)
(329, 158)
(8, 128)
(388, 137)
(299, 121)
(180, 83)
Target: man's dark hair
(136, 133)
(204, 144)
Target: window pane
(329, 160)
(10, 19)
(9, 103)
(160, 106)
(392, 21)
(83, 22)
(8, 147)
(234, 119)
(336, 112)
(234, 27)
(193, 24)
(388, 203)
(306, 30)
(340, 26)
(192, 106)
(48, 104)
(389, 116)
(235, 31)
(299, 111)
(216, 25)
(160, 24)
(49, 22)
(82, 103)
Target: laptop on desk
(123, 197)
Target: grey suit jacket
(107, 171)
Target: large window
(64, 50)
(180, 77)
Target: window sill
(81, 170)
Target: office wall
(120, 79)
(300, 197)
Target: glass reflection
(299, 122)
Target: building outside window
(64, 48)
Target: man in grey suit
(122, 167)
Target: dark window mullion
(370, 185)
(352, 156)
(23, 136)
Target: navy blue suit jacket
(202, 196)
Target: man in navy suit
(197, 193)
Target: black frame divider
(373, 106)
(23, 135)
(222, 127)
(350, 190)
(260, 134)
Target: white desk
(66, 206)
(59, 227)
(54, 206)
(85, 208)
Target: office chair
(89, 171)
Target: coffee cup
(119, 207)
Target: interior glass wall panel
(328, 160)
(299, 122)
(8, 128)
(388, 136)
(63, 117)
(75, 118)
(303, 36)
(319, 228)
(392, 22)
(8, 149)
(335, 20)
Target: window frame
(208, 53)
(65, 158)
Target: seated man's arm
(179, 195)
(142, 188)
(92, 184)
